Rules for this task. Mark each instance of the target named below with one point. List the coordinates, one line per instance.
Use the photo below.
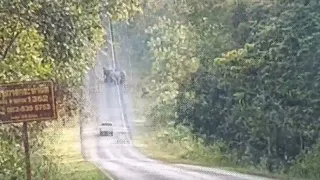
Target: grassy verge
(160, 145)
(65, 146)
(177, 146)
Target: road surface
(124, 161)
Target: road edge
(103, 170)
(221, 171)
(208, 169)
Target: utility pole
(119, 88)
(114, 61)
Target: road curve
(124, 161)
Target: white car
(106, 128)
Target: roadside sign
(24, 102)
(27, 101)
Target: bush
(180, 141)
(307, 164)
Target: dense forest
(241, 73)
(56, 40)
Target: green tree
(254, 84)
(262, 99)
(49, 40)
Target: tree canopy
(243, 72)
(56, 40)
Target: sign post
(26, 150)
(25, 102)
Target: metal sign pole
(26, 150)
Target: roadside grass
(176, 146)
(188, 152)
(65, 146)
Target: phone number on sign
(29, 108)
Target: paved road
(124, 161)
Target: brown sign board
(27, 101)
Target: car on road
(106, 128)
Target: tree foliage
(263, 98)
(256, 87)
(55, 40)
(173, 51)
